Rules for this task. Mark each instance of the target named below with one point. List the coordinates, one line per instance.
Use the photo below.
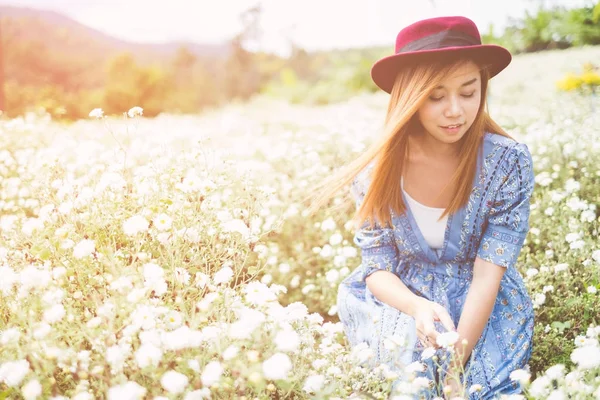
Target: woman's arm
(388, 288)
(478, 305)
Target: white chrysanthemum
(287, 340)
(135, 112)
(116, 356)
(427, 353)
(556, 371)
(96, 113)
(313, 383)
(135, 225)
(174, 382)
(447, 339)
(54, 313)
(126, 391)
(476, 388)
(257, 293)
(148, 355)
(592, 290)
(32, 277)
(336, 239)
(173, 319)
(521, 376)
(9, 278)
(278, 366)
(199, 394)
(244, 327)
(41, 330)
(328, 225)
(212, 373)
(556, 394)
(162, 222)
(596, 255)
(561, 267)
(332, 276)
(31, 390)
(224, 275)
(587, 357)
(230, 352)
(538, 300)
(12, 373)
(84, 248)
(9, 336)
(362, 353)
(236, 225)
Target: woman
(443, 201)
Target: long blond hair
(412, 87)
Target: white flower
(556, 371)
(447, 339)
(96, 113)
(31, 390)
(548, 288)
(84, 248)
(224, 275)
(126, 391)
(174, 382)
(475, 388)
(277, 366)
(587, 357)
(561, 267)
(332, 275)
(592, 290)
(135, 112)
(236, 225)
(162, 222)
(148, 355)
(287, 340)
(427, 353)
(521, 376)
(328, 225)
(556, 395)
(539, 299)
(12, 373)
(212, 373)
(257, 293)
(54, 313)
(199, 394)
(9, 336)
(41, 330)
(230, 352)
(336, 239)
(116, 356)
(313, 383)
(596, 255)
(134, 225)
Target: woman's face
(451, 107)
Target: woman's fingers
(444, 318)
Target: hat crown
(413, 36)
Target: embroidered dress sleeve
(508, 221)
(377, 244)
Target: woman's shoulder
(502, 147)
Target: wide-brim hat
(433, 39)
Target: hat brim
(385, 70)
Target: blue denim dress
(492, 226)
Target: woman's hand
(425, 314)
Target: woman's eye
(467, 96)
(435, 98)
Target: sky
(311, 24)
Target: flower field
(173, 258)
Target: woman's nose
(454, 108)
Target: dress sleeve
(377, 244)
(508, 220)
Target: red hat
(429, 39)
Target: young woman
(443, 201)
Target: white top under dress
(433, 231)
